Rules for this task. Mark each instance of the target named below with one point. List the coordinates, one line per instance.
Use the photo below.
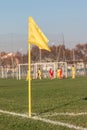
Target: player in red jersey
(51, 73)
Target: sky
(57, 19)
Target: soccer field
(56, 104)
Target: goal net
(45, 67)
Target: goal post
(45, 67)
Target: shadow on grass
(62, 105)
(85, 98)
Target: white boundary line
(64, 114)
(59, 123)
(44, 120)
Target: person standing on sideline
(73, 72)
(39, 73)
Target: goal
(45, 67)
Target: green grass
(48, 96)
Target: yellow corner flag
(36, 36)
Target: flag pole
(29, 75)
(29, 80)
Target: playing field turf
(56, 104)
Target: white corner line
(44, 120)
(64, 114)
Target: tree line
(60, 53)
(57, 54)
